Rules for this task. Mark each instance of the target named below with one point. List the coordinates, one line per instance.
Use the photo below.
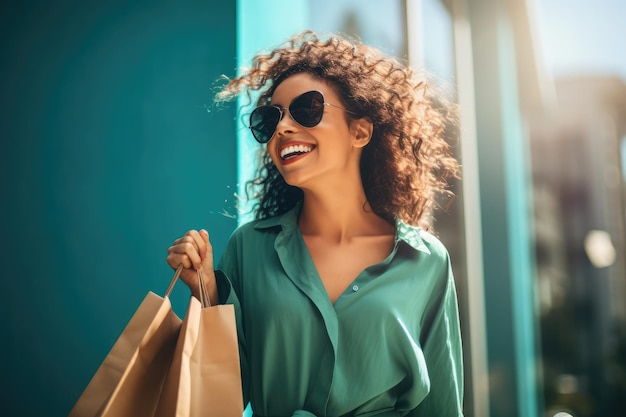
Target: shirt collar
(411, 235)
(288, 221)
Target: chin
(295, 179)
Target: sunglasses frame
(281, 114)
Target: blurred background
(112, 148)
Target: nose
(286, 124)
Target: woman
(345, 306)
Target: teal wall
(108, 154)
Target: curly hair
(407, 163)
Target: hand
(195, 253)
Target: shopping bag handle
(204, 296)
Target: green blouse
(390, 345)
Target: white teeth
(294, 149)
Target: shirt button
(355, 288)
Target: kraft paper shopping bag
(130, 379)
(204, 378)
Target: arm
(194, 251)
(228, 291)
(444, 357)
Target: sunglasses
(306, 109)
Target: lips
(290, 152)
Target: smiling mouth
(293, 151)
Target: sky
(583, 37)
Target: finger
(200, 242)
(177, 259)
(186, 249)
(183, 246)
(188, 275)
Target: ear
(361, 130)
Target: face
(319, 155)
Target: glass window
(380, 24)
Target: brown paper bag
(130, 379)
(204, 378)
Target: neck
(339, 215)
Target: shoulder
(244, 232)
(245, 229)
(421, 240)
(246, 243)
(427, 256)
(256, 229)
(433, 244)
(268, 226)
(435, 259)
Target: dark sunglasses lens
(308, 108)
(263, 122)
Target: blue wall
(108, 154)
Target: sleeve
(228, 279)
(443, 353)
